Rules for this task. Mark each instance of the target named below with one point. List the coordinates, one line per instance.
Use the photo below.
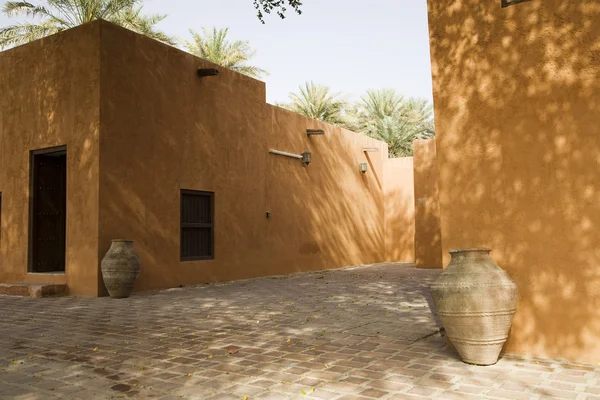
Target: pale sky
(349, 45)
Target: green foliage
(214, 46)
(316, 101)
(279, 6)
(387, 116)
(381, 114)
(52, 16)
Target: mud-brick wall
(163, 129)
(518, 146)
(49, 96)
(428, 235)
(399, 210)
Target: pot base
(479, 353)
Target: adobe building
(517, 111)
(106, 134)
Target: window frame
(210, 225)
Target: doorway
(48, 204)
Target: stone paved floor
(358, 333)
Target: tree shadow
(164, 129)
(518, 145)
(42, 105)
(428, 236)
(400, 216)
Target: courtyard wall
(50, 96)
(428, 235)
(139, 126)
(164, 129)
(518, 145)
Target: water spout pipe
(284, 153)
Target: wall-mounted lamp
(202, 72)
(315, 132)
(362, 167)
(306, 157)
(370, 149)
(507, 3)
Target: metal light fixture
(315, 132)
(362, 167)
(306, 157)
(202, 72)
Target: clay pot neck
(471, 251)
(121, 244)
(474, 253)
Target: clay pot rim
(470, 250)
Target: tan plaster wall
(164, 129)
(517, 110)
(50, 97)
(428, 235)
(399, 210)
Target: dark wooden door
(48, 212)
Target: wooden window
(507, 3)
(197, 225)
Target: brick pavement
(358, 333)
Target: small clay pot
(120, 268)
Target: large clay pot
(120, 268)
(475, 301)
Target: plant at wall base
(52, 16)
(279, 6)
(318, 102)
(387, 116)
(214, 47)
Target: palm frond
(57, 15)
(318, 102)
(388, 116)
(17, 34)
(212, 45)
(16, 8)
(134, 19)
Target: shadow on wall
(517, 111)
(399, 210)
(48, 104)
(323, 215)
(327, 213)
(164, 129)
(428, 235)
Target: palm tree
(386, 115)
(215, 47)
(419, 113)
(58, 15)
(316, 101)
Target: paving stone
(508, 394)
(349, 335)
(422, 391)
(373, 393)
